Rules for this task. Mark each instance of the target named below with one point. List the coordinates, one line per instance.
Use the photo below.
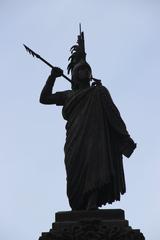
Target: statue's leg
(92, 201)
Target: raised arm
(46, 96)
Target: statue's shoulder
(103, 90)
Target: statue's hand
(56, 72)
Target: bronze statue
(96, 135)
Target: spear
(34, 54)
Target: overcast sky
(123, 48)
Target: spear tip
(24, 45)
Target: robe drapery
(96, 138)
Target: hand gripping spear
(30, 51)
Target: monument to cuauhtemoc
(96, 140)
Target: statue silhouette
(96, 135)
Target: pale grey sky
(123, 48)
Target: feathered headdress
(78, 53)
(78, 58)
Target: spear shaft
(43, 60)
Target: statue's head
(80, 70)
(81, 74)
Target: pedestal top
(106, 214)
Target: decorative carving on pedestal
(89, 228)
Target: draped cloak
(96, 138)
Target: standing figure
(96, 135)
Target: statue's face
(84, 73)
(81, 75)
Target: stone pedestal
(92, 225)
